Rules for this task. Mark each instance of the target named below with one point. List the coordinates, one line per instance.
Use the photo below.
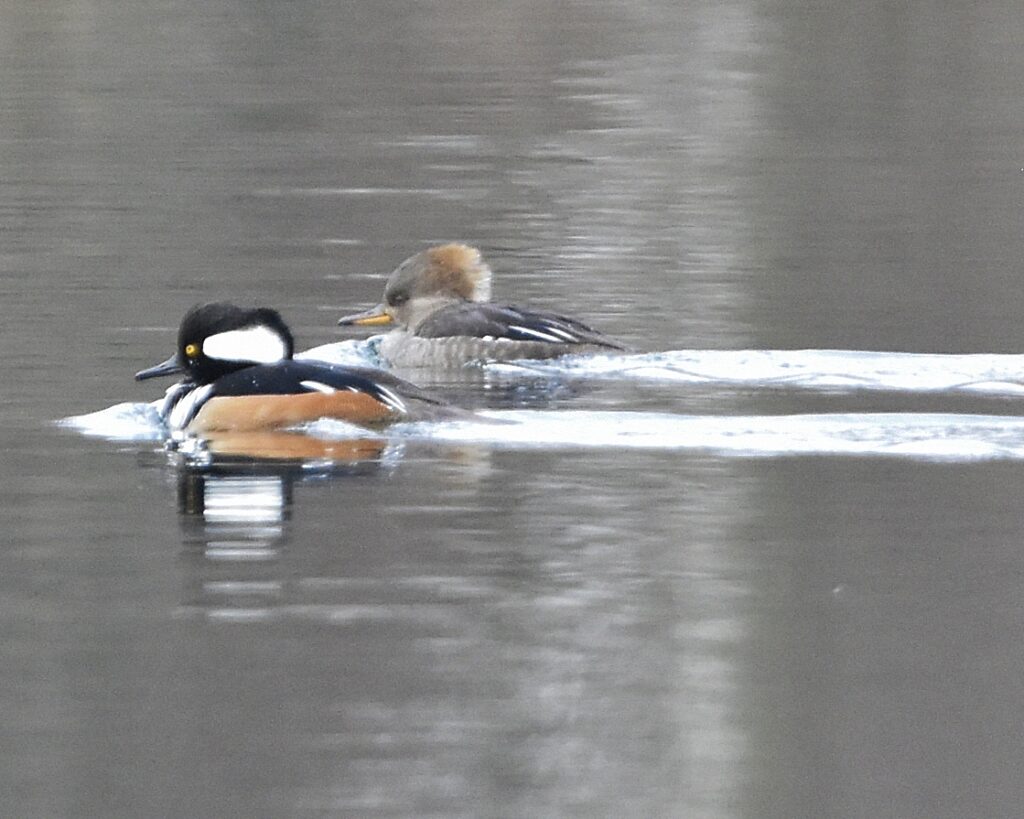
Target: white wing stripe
(558, 331)
(317, 386)
(391, 399)
(536, 333)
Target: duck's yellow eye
(191, 350)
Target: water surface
(800, 597)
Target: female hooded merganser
(439, 300)
(240, 376)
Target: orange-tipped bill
(374, 317)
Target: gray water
(428, 628)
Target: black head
(219, 338)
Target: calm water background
(461, 631)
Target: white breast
(186, 408)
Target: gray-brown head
(426, 282)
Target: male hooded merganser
(439, 300)
(240, 376)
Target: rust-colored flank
(242, 413)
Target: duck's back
(472, 332)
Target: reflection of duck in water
(234, 507)
(280, 445)
(231, 506)
(237, 515)
(235, 524)
(240, 377)
(235, 512)
(439, 300)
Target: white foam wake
(931, 436)
(348, 353)
(832, 370)
(121, 422)
(927, 436)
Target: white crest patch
(258, 344)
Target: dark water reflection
(431, 630)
